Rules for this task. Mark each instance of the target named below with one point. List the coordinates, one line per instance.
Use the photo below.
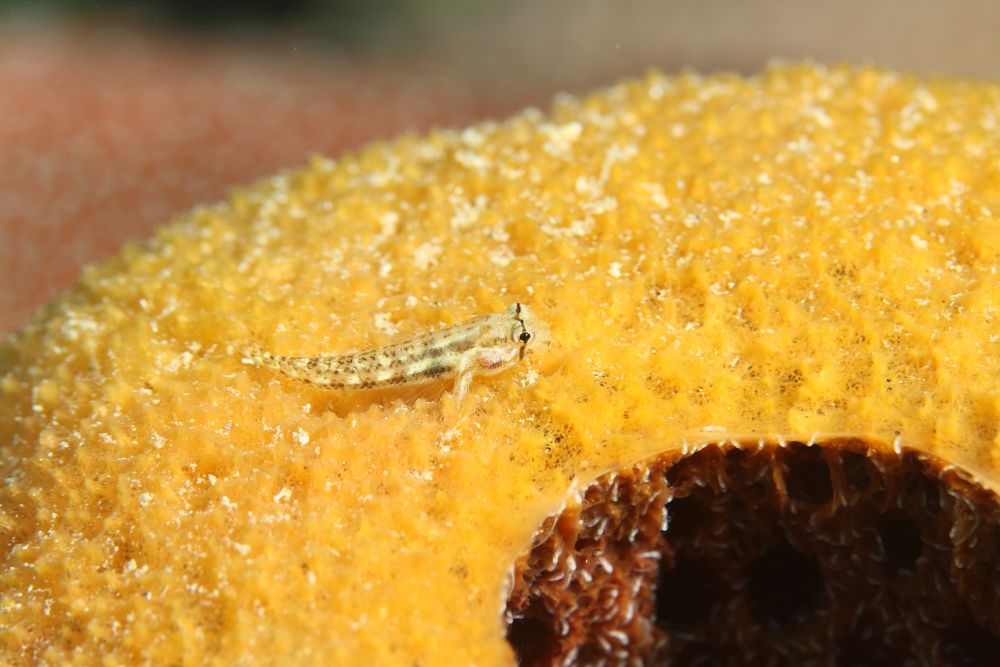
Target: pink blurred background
(114, 121)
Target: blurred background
(115, 116)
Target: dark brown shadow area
(840, 553)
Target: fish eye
(524, 337)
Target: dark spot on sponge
(808, 478)
(855, 467)
(967, 644)
(532, 636)
(901, 541)
(686, 595)
(784, 586)
(684, 516)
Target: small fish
(482, 345)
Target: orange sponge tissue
(810, 251)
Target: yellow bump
(809, 250)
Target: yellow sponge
(808, 253)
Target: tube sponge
(727, 265)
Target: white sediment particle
(658, 87)
(284, 494)
(301, 437)
(903, 144)
(227, 503)
(511, 173)
(332, 259)
(384, 324)
(988, 121)
(443, 441)
(615, 270)
(728, 216)
(560, 138)
(501, 256)
(918, 242)
(530, 378)
(498, 233)
(389, 174)
(76, 325)
(466, 213)
(581, 227)
(425, 255)
(243, 549)
(819, 115)
(617, 153)
(800, 145)
(926, 100)
(178, 362)
(145, 499)
(472, 160)
(388, 224)
(472, 137)
(589, 186)
(656, 195)
(428, 151)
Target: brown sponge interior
(844, 552)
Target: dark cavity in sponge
(841, 553)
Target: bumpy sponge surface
(810, 251)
